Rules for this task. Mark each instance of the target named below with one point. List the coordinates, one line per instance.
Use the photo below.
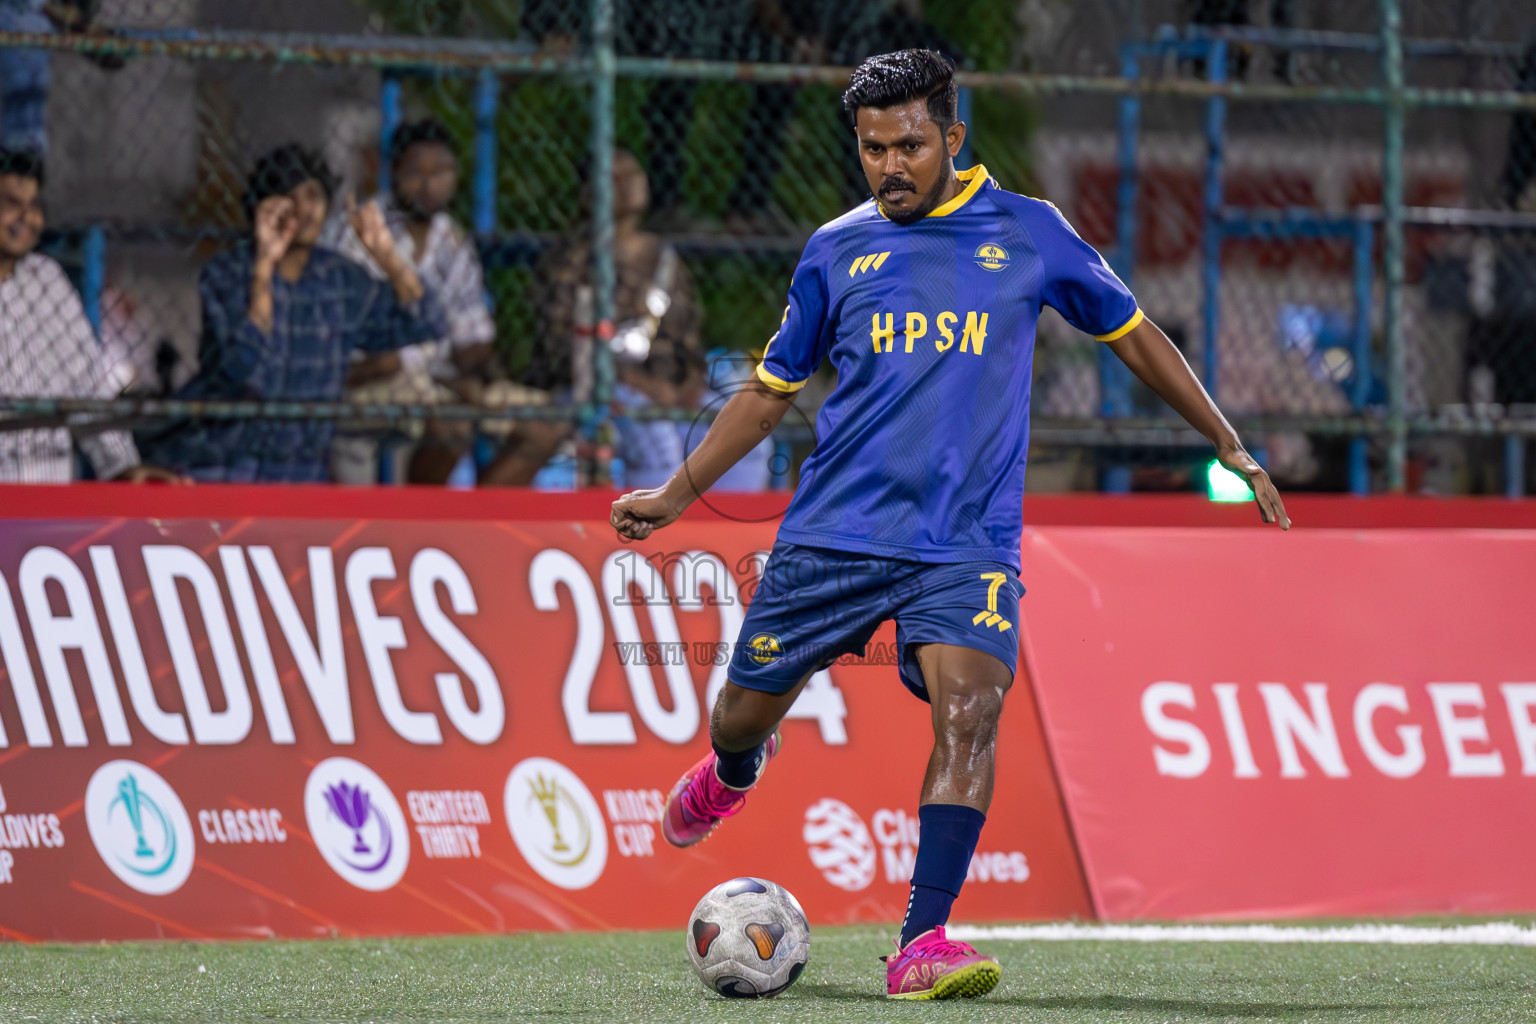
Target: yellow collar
(974, 178)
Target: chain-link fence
(1329, 207)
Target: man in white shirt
(425, 175)
(47, 346)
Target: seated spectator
(425, 175)
(281, 318)
(656, 336)
(47, 347)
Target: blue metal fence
(1388, 422)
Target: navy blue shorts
(814, 605)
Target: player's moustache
(891, 186)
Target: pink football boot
(935, 967)
(700, 801)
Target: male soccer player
(926, 300)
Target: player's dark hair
(23, 163)
(426, 131)
(891, 79)
(281, 171)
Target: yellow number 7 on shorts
(995, 582)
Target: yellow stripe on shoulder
(777, 383)
(1129, 326)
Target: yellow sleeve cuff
(777, 383)
(1126, 328)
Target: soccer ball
(748, 939)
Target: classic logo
(356, 823)
(991, 256)
(766, 647)
(139, 826)
(839, 844)
(556, 823)
(990, 616)
(863, 263)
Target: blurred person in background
(47, 346)
(681, 29)
(1501, 354)
(725, 373)
(1501, 357)
(281, 318)
(424, 173)
(1236, 14)
(24, 72)
(841, 32)
(657, 353)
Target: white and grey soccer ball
(748, 939)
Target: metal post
(1514, 466)
(1210, 229)
(1125, 196)
(389, 120)
(1114, 388)
(484, 186)
(93, 274)
(1392, 257)
(1365, 279)
(603, 71)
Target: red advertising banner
(1255, 724)
(232, 723)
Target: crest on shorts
(765, 647)
(991, 256)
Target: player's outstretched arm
(1153, 358)
(750, 415)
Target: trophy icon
(352, 807)
(547, 790)
(128, 793)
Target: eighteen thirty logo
(139, 826)
(839, 844)
(555, 823)
(356, 823)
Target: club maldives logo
(356, 823)
(555, 823)
(839, 844)
(139, 826)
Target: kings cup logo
(356, 823)
(556, 823)
(139, 826)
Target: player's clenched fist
(638, 513)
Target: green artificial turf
(646, 977)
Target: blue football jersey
(921, 447)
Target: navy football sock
(947, 837)
(738, 769)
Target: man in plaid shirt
(280, 320)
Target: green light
(1224, 485)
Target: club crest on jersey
(765, 648)
(991, 256)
